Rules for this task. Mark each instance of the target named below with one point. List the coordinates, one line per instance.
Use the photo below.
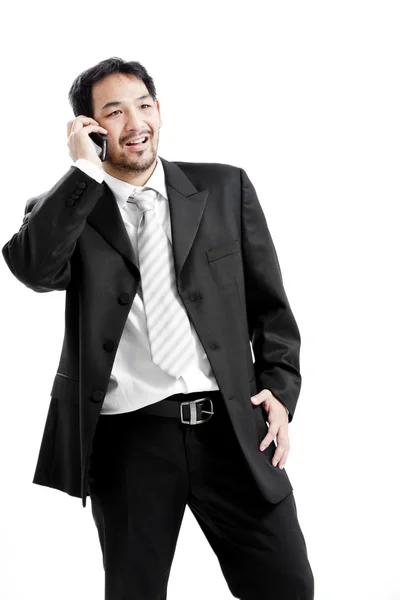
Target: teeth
(137, 141)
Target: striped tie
(168, 325)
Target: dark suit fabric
(227, 273)
(73, 239)
(146, 469)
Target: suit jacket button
(214, 345)
(82, 185)
(70, 202)
(109, 346)
(97, 395)
(124, 298)
(195, 298)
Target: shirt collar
(122, 190)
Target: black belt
(190, 412)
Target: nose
(133, 122)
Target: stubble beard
(137, 163)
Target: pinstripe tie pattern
(168, 325)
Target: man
(170, 271)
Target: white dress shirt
(135, 380)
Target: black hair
(80, 93)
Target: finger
(86, 120)
(283, 445)
(80, 122)
(278, 455)
(89, 129)
(283, 459)
(256, 400)
(71, 123)
(268, 438)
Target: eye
(113, 113)
(148, 105)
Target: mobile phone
(101, 140)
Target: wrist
(88, 167)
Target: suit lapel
(186, 205)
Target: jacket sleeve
(274, 333)
(39, 254)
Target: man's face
(123, 106)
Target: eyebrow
(116, 103)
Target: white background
(305, 97)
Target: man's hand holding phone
(79, 143)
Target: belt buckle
(193, 411)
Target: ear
(157, 103)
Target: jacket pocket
(224, 250)
(65, 388)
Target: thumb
(255, 399)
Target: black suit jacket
(227, 273)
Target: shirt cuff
(90, 169)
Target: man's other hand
(278, 426)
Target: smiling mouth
(138, 145)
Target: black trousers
(145, 469)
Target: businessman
(171, 279)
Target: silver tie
(168, 325)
